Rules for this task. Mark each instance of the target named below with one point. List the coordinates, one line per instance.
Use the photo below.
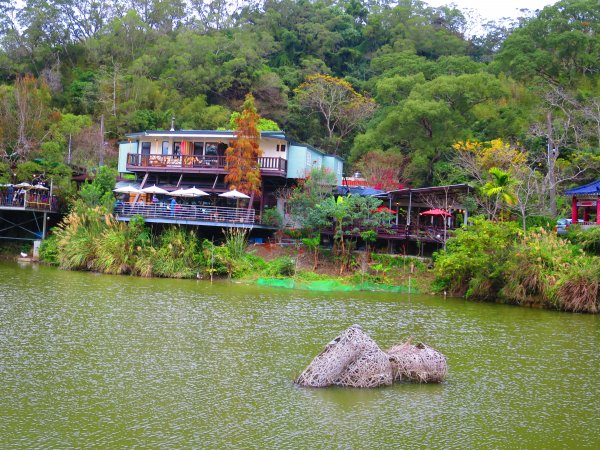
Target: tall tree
(242, 156)
(25, 116)
(341, 108)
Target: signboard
(587, 203)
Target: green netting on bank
(331, 285)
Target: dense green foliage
(492, 261)
(514, 111)
(319, 69)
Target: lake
(91, 360)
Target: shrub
(76, 238)
(281, 267)
(472, 263)
(236, 242)
(545, 222)
(588, 239)
(397, 261)
(177, 254)
(115, 252)
(578, 290)
(272, 217)
(49, 251)
(533, 266)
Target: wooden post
(598, 210)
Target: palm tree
(500, 189)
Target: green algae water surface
(111, 362)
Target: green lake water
(100, 361)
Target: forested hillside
(394, 84)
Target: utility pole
(552, 155)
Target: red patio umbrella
(384, 209)
(436, 212)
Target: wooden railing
(198, 213)
(424, 233)
(201, 163)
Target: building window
(281, 147)
(198, 147)
(165, 147)
(146, 148)
(176, 148)
(211, 149)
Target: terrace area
(198, 164)
(188, 214)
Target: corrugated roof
(359, 190)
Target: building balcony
(273, 166)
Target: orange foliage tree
(242, 156)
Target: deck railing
(424, 233)
(198, 213)
(201, 163)
(36, 202)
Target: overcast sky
(495, 9)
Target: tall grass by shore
(485, 261)
(89, 239)
(498, 261)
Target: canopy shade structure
(129, 189)
(40, 187)
(154, 189)
(24, 185)
(234, 193)
(195, 192)
(436, 212)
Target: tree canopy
(403, 79)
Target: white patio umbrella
(129, 189)
(154, 189)
(40, 187)
(234, 193)
(181, 193)
(195, 192)
(23, 185)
